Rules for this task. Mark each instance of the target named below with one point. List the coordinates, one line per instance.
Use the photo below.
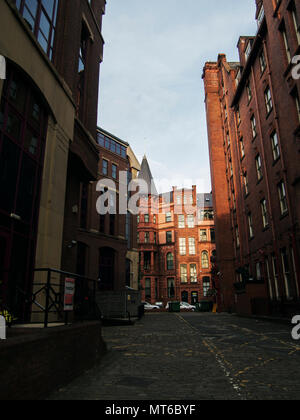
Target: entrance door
(185, 297)
(106, 269)
(195, 298)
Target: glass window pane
(9, 163)
(48, 6)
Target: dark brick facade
(80, 30)
(253, 120)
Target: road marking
(235, 383)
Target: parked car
(149, 307)
(159, 304)
(185, 305)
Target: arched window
(170, 261)
(205, 260)
(23, 132)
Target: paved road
(192, 356)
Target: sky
(151, 88)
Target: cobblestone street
(192, 356)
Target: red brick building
(107, 244)
(176, 242)
(253, 118)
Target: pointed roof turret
(146, 175)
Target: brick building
(176, 241)
(253, 118)
(107, 245)
(48, 133)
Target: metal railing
(45, 302)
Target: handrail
(53, 295)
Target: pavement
(193, 356)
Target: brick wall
(37, 363)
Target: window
(242, 148)
(286, 273)
(258, 271)
(168, 217)
(264, 212)
(147, 218)
(297, 101)
(261, 16)
(193, 273)
(147, 238)
(190, 221)
(253, 127)
(269, 278)
(155, 237)
(171, 288)
(148, 288)
(282, 198)
(181, 221)
(238, 116)
(170, 261)
(182, 246)
(212, 236)
(248, 50)
(246, 183)
(82, 56)
(183, 273)
(262, 62)
(250, 224)
(286, 44)
(40, 16)
(249, 92)
(111, 145)
(104, 167)
(228, 139)
(205, 215)
(192, 246)
(275, 146)
(205, 260)
(237, 236)
(258, 167)
(112, 224)
(296, 24)
(203, 235)
(206, 286)
(102, 224)
(84, 206)
(169, 237)
(114, 172)
(275, 275)
(268, 100)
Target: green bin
(174, 307)
(205, 306)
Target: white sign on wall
(2, 68)
(69, 295)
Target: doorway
(106, 269)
